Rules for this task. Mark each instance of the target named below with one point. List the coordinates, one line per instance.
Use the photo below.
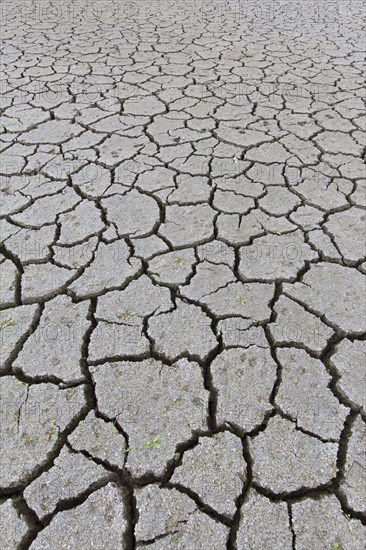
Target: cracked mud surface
(183, 267)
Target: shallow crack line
(73, 502)
(231, 542)
(53, 453)
(6, 367)
(291, 524)
(326, 359)
(143, 543)
(203, 507)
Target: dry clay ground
(183, 276)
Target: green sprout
(7, 322)
(179, 261)
(114, 427)
(51, 432)
(125, 315)
(153, 443)
(28, 439)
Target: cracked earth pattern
(183, 276)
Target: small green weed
(7, 322)
(155, 442)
